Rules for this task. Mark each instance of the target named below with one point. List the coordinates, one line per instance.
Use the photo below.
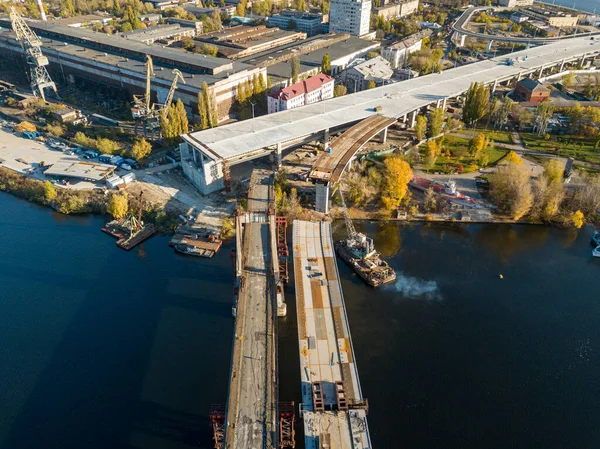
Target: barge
(359, 253)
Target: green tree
(371, 85)
(326, 64)
(436, 122)
(478, 143)
(202, 111)
(476, 103)
(240, 9)
(67, 8)
(553, 169)
(141, 149)
(340, 90)
(295, 63)
(116, 8)
(118, 206)
(421, 127)
(397, 176)
(578, 219)
(50, 192)
(510, 188)
(107, 146)
(543, 114)
(211, 109)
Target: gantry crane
(31, 45)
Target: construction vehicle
(31, 45)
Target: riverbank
(67, 201)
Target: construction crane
(178, 76)
(349, 225)
(31, 45)
(141, 104)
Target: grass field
(567, 146)
(493, 134)
(459, 149)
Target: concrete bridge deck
(251, 416)
(249, 139)
(333, 408)
(330, 165)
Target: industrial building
(306, 22)
(378, 70)
(397, 53)
(396, 9)
(311, 90)
(342, 50)
(350, 16)
(239, 41)
(165, 34)
(81, 56)
(551, 17)
(89, 171)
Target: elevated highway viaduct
(207, 155)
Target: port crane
(141, 104)
(31, 45)
(177, 76)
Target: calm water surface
(100, 348)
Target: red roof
(302, 87)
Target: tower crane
(31, 45)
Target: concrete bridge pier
(326, 138)
(562, 64)
(322, 198)
(413, 119)
(541, 73)
(583, 59)
(383, 135)
(278, 155)
(494, 86)
(489, 46)
(462, 40)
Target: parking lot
(26, 155)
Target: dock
(333, 407)
(201, 245)
(125, 239)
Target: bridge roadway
(333, 408)
(251, 415)
(459, 27)
(248, 139)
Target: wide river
(100, 348)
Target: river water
(100, 348)
(582, 5)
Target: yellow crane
(142, 109)
(177, 76)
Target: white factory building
(311, 90)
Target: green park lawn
(579, 148)
(459, 149)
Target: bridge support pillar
(462, 40)
(444, 103)
(494, 86)
(326, 138)
(489, 46)
(322, 198)
(582, 59)
(562, 65)
(278, 155)
(541, 72)
(383, 135)
(404, 118)
(413, 119)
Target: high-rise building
(350, 16)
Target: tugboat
(359, 252)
